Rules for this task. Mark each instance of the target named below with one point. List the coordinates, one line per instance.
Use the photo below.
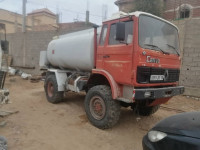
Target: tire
(102, 111)
(147, 111)
(51, 90)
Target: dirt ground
(44, 126)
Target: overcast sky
(68, 9)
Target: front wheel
(102, 111)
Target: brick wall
(25, 47)
(190, 46)
(172, 8)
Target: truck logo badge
(166, 75)
(153, 60)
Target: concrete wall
(25, 47)
(190, 46)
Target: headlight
(155, 136)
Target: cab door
(118, 56)
(101, 47)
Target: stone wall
(25, 47)
(190, 46)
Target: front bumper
(156, 93)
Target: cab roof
(121, 14)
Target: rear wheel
(147, 110)
(102, 111)
(51, 89)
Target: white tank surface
(73, 51)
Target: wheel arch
(61, 77)
(102, 77)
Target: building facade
(13, 21)
(173, 9)
(180, 9)
(125, 5)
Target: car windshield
(156, 34)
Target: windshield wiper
(155, 46)
(174, 49)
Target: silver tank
(73, 51)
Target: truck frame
(124, 74)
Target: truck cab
(147, 59)
(134, 61)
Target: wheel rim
(50, 89)
(97, 107)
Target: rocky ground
(44, 126)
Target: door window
(128, 34)
(103, 35)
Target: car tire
(51, 90)
(102, 111)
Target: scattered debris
(4, 96)
(26, 76)
(19, 72)
(196, 98)
(36, 79)
(138, 119)
(11, 71)
(7, 113)
(3, 143)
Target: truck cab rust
(135, 61)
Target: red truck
(133, 60)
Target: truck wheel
(102, 111)
(51, 89)
(147, 111)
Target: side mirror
(120, 31)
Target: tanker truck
(132, 60)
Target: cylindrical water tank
(73, 51)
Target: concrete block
(195, 68)
(196, 59)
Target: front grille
(144, 75)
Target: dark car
(178, 132)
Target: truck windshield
(158, 35)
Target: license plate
(157, 77)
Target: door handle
(106, 56)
